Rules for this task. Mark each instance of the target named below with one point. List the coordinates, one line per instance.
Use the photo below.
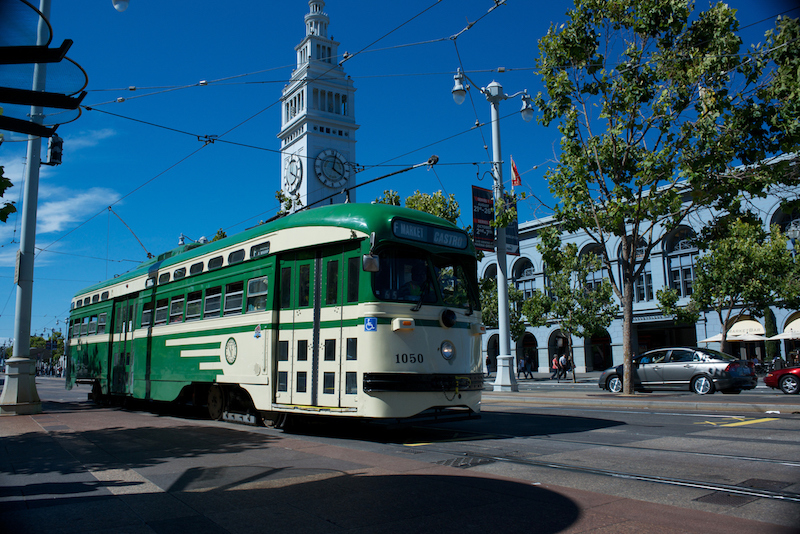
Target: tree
(488, 296)
(655, 105)
(219, 235)
(7, 206)
(437, 204)
(577, 309)
(743, 273)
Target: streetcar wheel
(97, 393)
(614, 384)
(283, 421)
(702, 385)
(790, 385)
(216, 402)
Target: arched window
(643, 285)
(491, 272)
(681, 254)
(595, 279)
(524, 277)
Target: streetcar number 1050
(408, 358)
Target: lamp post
(506, 379)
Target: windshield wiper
(424, 293)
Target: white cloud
(87, 139)
(71, 207)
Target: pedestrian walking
(563, 366)
(528, 368)
(520, 368)
(487, 366)
(554, 368)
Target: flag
(516, 180)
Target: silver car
(699, 370)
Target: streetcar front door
(121, 356)
(315, 359)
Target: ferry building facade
(671, 264)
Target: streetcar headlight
(448, 350)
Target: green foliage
(435, 204)
(489, 306)
(219, 235)
(7, 206)
(579, 311)
(746, 270)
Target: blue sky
(163, 182)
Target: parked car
(702, 371)
(788, 380)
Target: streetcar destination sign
(429, 234)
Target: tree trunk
(627, 331)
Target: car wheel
(614, 384)
(702, 385)
(789, 384)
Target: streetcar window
(101, 323)
(215, 263)
(302, 350)
(233, 297)
(85, 326)
(350, 383)
(147, 314)
(197, 268)
(403, 277)
(162, 312)
(262, 249)
(236, 256)
(93, 325)
(286, 287)
(330, 350)
(283, 351)
(104, 295)
(304, 285)
(86, 301)
(283, 381)
(176, 309)
(329, 383)
(453, 283)
(353, 270)
(332, 285)
(179, 273)
(301, 381)
(76, 328)
(257, 290)
(194, 305)
(352, 348)
(163, 278)
(150, 282)
(213, 301)
(95, 298)
(78, 303)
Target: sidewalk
(78, 468)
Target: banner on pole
(482, 217)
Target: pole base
(19, 396)
(505, 380)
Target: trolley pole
(506, 378)
(19, 396)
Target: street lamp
(506, 380)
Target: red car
(788, 380)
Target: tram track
(733, 489)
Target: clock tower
(318, 127)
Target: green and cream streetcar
(348, 310)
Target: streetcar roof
(362, 218)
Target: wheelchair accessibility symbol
(370, 324)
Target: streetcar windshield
(409, 275)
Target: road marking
(456, 438)
(739, 421)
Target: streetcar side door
(295, 343)
(121, 355)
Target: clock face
(331, 168)
(293, 174)
(230, 351)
